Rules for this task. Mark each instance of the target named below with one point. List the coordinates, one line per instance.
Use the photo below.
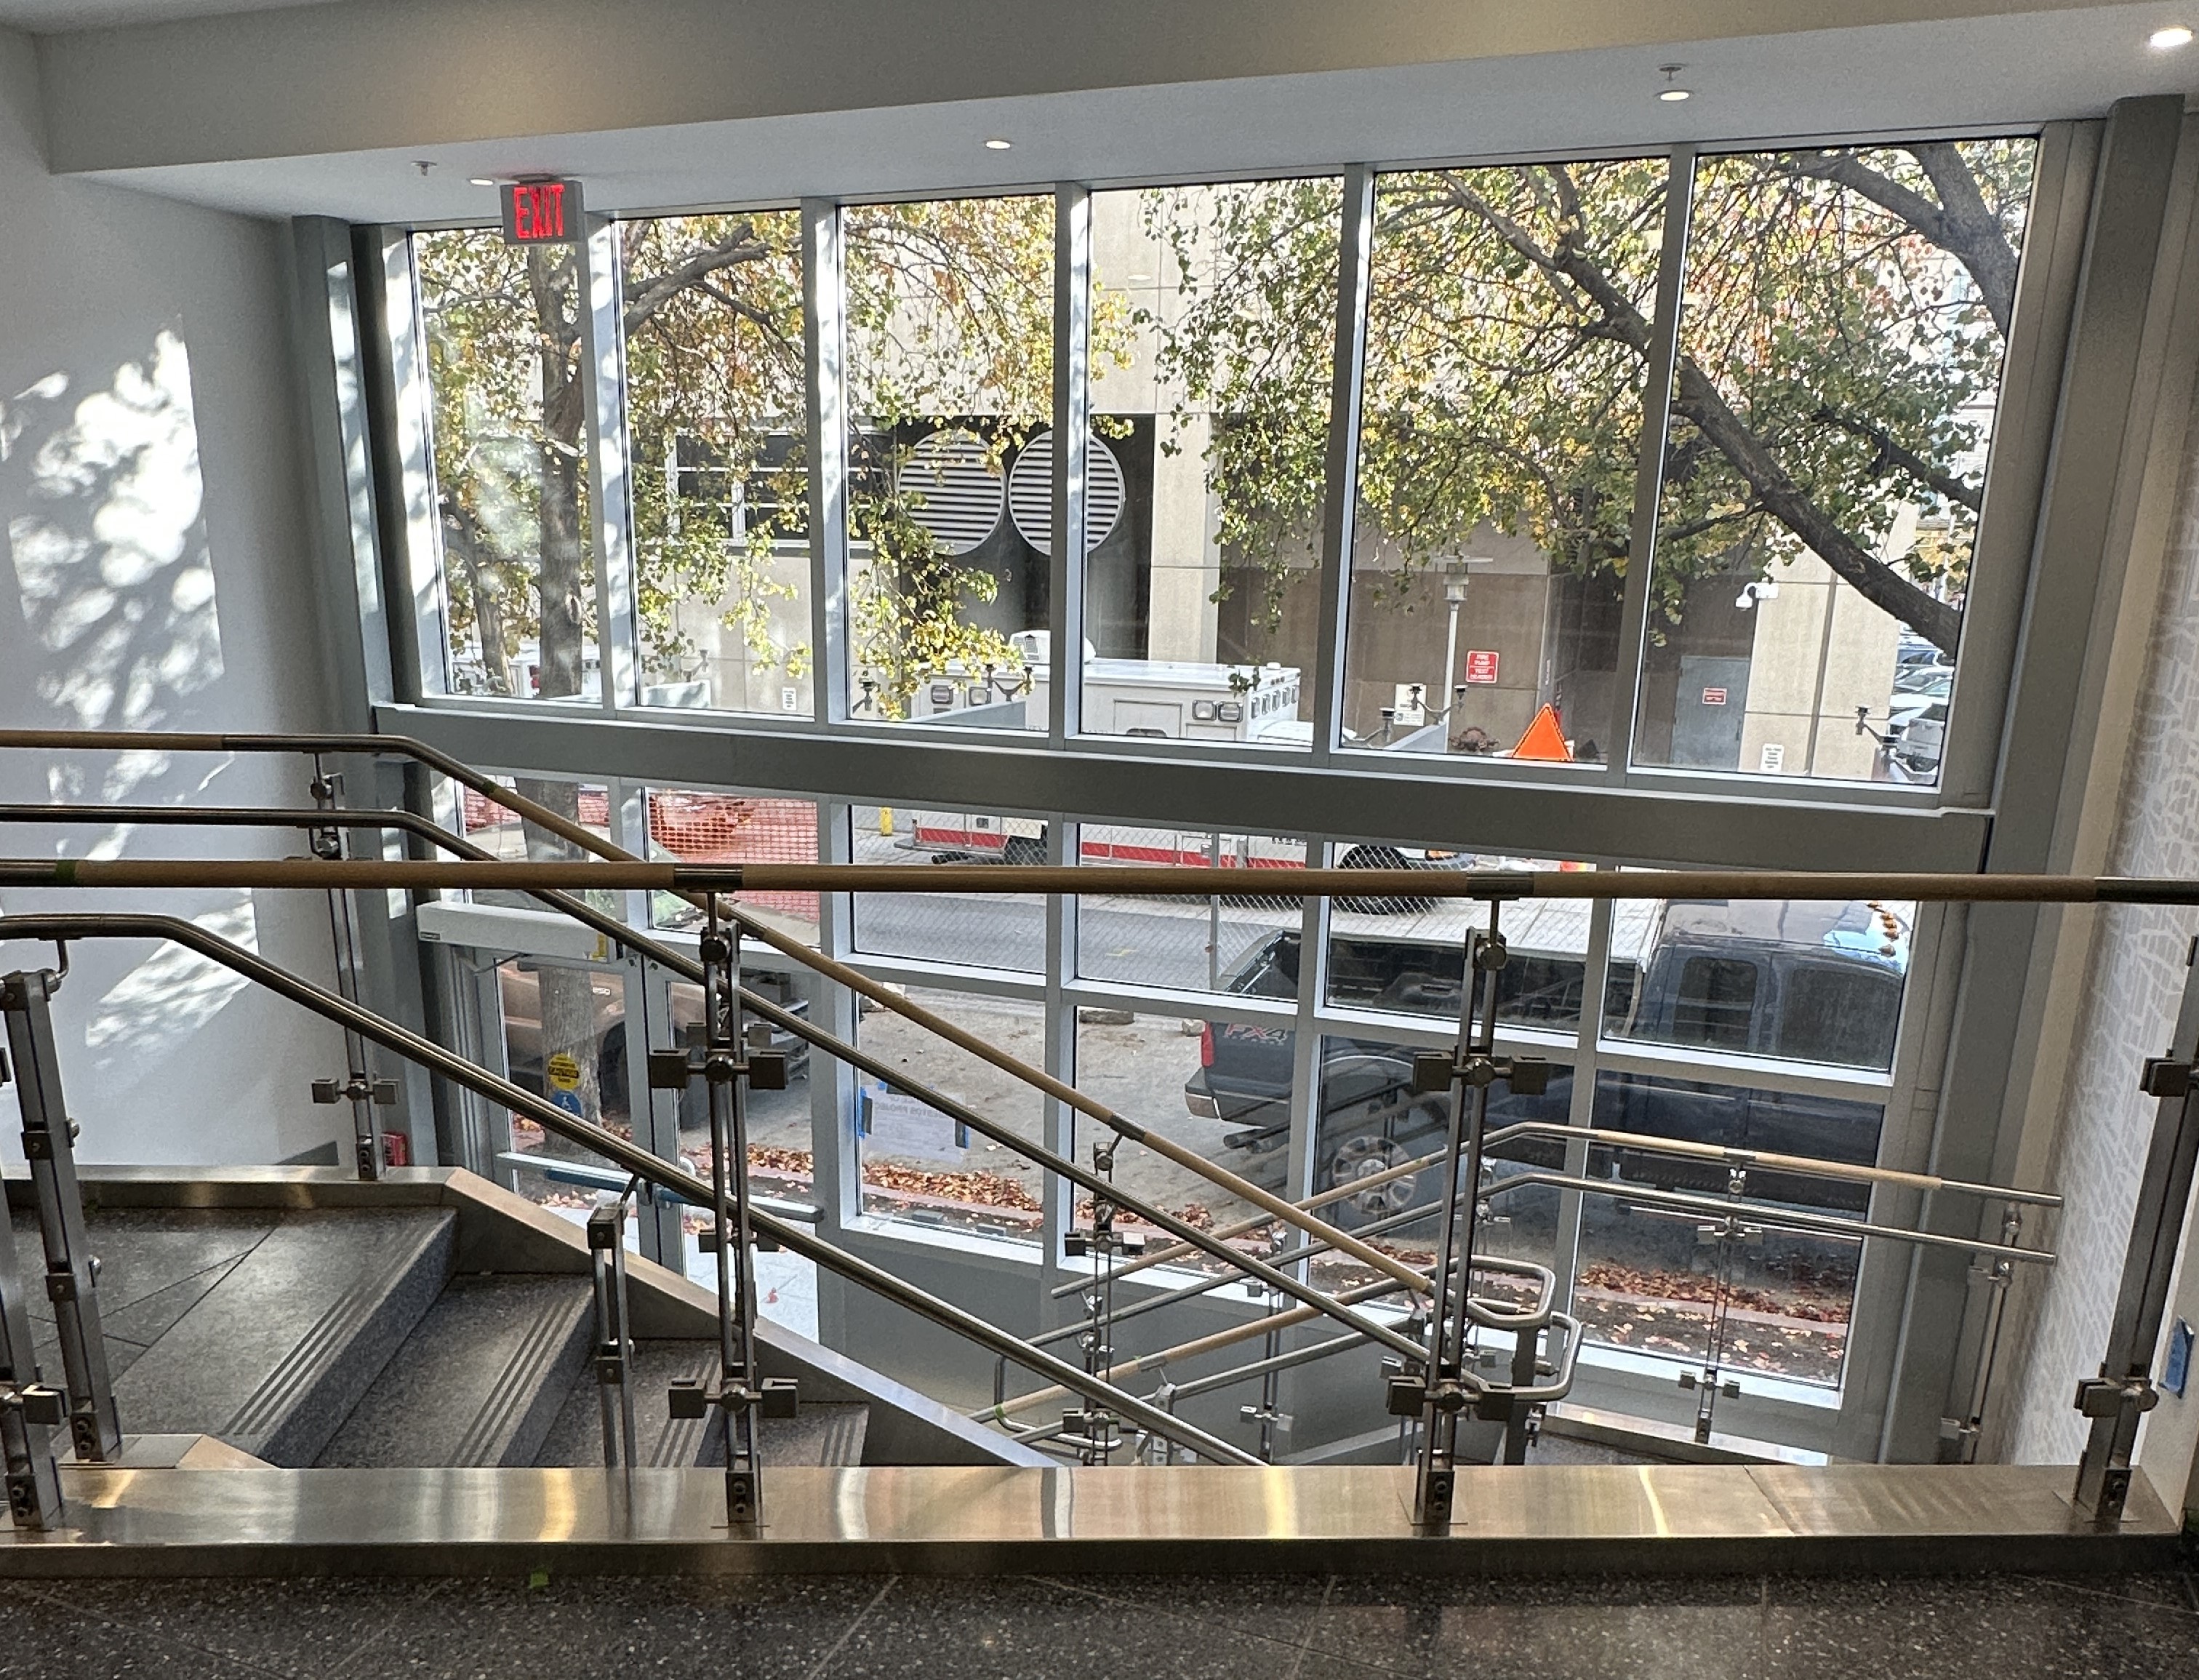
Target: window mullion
(1649, 469)
(610, 505)
(824, 339)
(1072, 443)
(1353, 279)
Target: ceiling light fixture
(484, 180)
(2167, 40)
(997, 145)
(1672, 95)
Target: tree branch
(1697, 398)
(650, 295)
(1892, 453)
(1961, 223)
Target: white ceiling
(1950, 75)
(53, 17)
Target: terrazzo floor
(1122, 1628)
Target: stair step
(825, 1432)
(479, 1382)
(270, 1353)
(155, 1264)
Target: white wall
(154, 576)
(2134, 978)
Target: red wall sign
(1713, 696)
(542, 213)
(1481, 665)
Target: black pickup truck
(1802, 982)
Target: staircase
(304, 1319)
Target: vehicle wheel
(1363, 1157)
(1023, 849)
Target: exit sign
(542, 213)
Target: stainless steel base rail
(640, 1162)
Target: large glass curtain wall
(1784, 1028)
(1668, 464)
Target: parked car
(1807, 981)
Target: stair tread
(819, 1433)
(479, 1381)
(270, 1352)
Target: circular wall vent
(953, 489)
(1030, 491)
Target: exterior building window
(1004, 930)
(918, 1165)
(717, 423)
(1213, 349)
(507, 386)
(950, 377)
(1508, 336)
(1842, 330)
(1227, 943)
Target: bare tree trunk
(567, 998)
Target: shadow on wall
(107, 534)
(109, 561)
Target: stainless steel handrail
(1188, 1236)
(1771, 1216)
(572, 832)
(1545, 1278)
(402, 1041)
(1806, 1166)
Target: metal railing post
(728, 1067)
(29, 1412)
(359, 1087)
(614, 1355)
(2118, 1399)
(72, 1273)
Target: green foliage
(500, 341)
(1253, 342)
(715, 367)
(1846, 317)
(950, 315)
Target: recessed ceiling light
(484, 180)
(2167, 40)
(1674, 95)
(997, 145)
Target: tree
(1846, 314)
(950, 312)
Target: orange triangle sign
(1544, 739)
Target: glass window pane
(1648, 1280)
(1228, 943)
(1498, 438)
(950, 372)
(1374, 1123)
(1841, 335)
(688, 827)
(1149, 1067)
(1213, 346)
(506, 379)
(1405, 953)
(717, 420)
(565, 1040)
(916, 1164)
(1806, 979)
(518, 840)
(985, 929)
